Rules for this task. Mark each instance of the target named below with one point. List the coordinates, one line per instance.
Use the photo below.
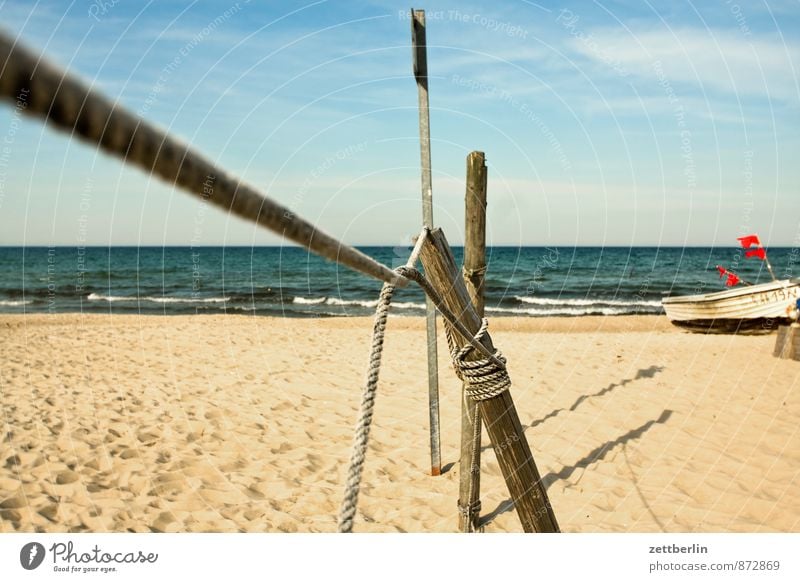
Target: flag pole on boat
(733, 278)
(752, 240)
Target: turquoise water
(528, 281)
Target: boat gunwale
(733, 293)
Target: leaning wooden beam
(502, 423)
(469, 491)
(38, 88)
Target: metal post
(420, 60)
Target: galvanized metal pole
(420, 59)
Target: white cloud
(706, 59)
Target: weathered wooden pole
(787, 343)
(469, 491)
(420, 59)
(499, 415)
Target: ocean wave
(312, 301)
(586, 302)
(369, 304)
(14, 303)
(566, 310)
(351, 303)
(572, 311)
(150, 299)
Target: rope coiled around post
(483, 378)
(486, 378)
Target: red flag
(749, 240)
(722, 271)
(759, 252)
(732, 280)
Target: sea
(290, 282)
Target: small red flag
(759, 252)
(749, 240)
(722, 271)
(732, 280)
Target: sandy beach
(235, 423)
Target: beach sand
(236, 423)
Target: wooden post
(499, 415)
(469, 491)
(787, 344)
(420, 60)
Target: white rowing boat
(752, 308)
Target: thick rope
(485, 378)
(471, 511)
(347, 510)
(70, 105)
(471, 273)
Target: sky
(624, 123)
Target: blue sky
(616, 123)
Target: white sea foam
(352, 303)
(128, 299)
(565, 310)
(371, 304)
(585, 302)
(306, 301)
(13, 303)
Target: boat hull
(752, 309)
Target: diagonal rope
(70, 105)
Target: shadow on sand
(641, 374)
(598, 454)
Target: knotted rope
(485, 378)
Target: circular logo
(31, 555)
